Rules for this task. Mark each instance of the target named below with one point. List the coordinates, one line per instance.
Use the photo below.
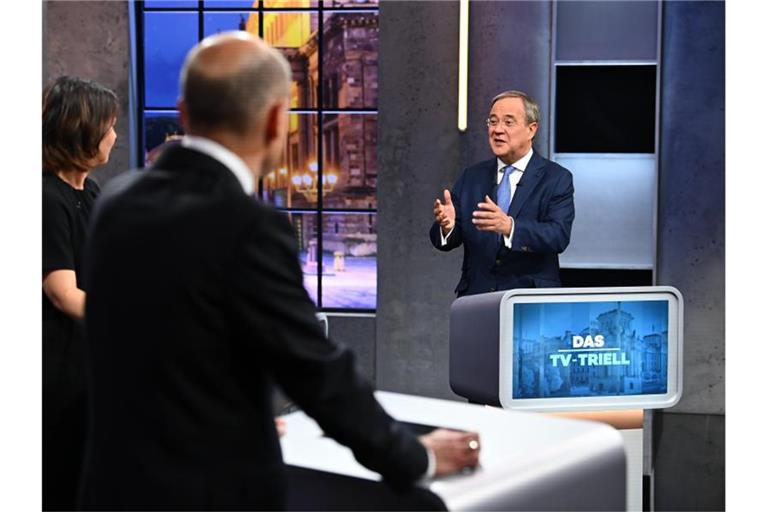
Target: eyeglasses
(493, 122)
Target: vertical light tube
(463, 58)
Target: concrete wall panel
(91, 40)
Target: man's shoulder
(482, 166)
(268, 218)
(478, 171)
(551, 167)
(265, 212)
(156, 189)
(120, 184)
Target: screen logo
(590, 349)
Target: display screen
(582, 349)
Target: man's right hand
(445, 213)
(453, 450)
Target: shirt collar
(230, 160)
(520, 165)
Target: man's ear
(533, 127)
(181, 105)
(275, 122)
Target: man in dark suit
(513, 214)
(196, 305)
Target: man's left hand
(489, 217)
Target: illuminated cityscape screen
(326, 182)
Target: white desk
(528, 461)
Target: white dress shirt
(514, 177)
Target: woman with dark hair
(78, 134)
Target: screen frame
(549, 295)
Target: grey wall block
(419, 152)
(91, 40)
(600, 30)
(358, 333)
(691, 230)
(509, 48)
(690, 462)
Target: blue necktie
(504, 194)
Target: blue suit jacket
(543, 210)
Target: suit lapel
(531, 177)
(489, 181)
(491, 188)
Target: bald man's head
(229, 80)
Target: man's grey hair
(531, 107)
(234, 101)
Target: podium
(528, 462)
(601, 353)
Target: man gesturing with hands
(512, 214)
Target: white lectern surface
(528, 461)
